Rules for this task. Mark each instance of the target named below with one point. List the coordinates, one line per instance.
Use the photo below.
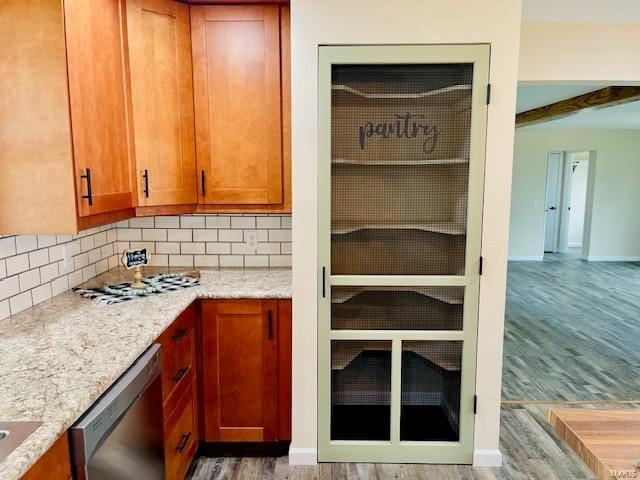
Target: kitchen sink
(12, 434)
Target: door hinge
(488, 93)
(480, 269)
(475, 404)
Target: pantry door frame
(396, 451)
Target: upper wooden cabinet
(98, 90)
(64, 122)
(238, 90)
(159, 41)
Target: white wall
(614, 221)
(578, 201)
(570, 52)
(403, 21)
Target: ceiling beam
(603, 98)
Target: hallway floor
(572, 330)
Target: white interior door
(552, 202)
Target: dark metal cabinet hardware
(180, 334)
(180, 375)
(184, 440)
(270, 324)
(202, 181)
(145, 175)
(87, 177)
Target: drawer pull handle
(180, 334)
(270, 325)
(180, 375)
(184, 440)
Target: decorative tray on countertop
(123, 292)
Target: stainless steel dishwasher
(120, 436)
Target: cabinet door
(162, 97)
(236, 76)
(240, 378)
(98, 100)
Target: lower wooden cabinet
(245, 384)
(179, 394)
(55, 464)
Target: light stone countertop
(58, 357)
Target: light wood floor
(531, 448)
(572, 330)
(571, 333)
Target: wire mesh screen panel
(360, 390)
(397, 308)
(430, 391)
(400, 137)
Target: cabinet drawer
(178, 369)
(176, 332)
(180, 437)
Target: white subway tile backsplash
(46, 241)
(279, 235)
(5, 311)
(192, 248)
(279, 260)
(26, 243)
(268, 222)
(181, 260)
(256, 261)
(218, 248)
(180, 235)
(195, 221)
(41, 293)
(38, 258)
(35, 268)
(243, 222)
(230, 235)
(9, 287)
(154, 234)
(167, 222)
(17, 264)
(20, 302)
(231, 260)
(210, 235)
(218, 221)
(7, 247)
(29, 280)
(129, 234)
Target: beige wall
(585, 52)
(614, 221)
(402, 21)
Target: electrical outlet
(67, 258)
(251, 239)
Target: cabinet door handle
(184, 440)
(145, 175)
(202, 181)
(270, 324)
(180, 375)
(180, 334)
(87, 177)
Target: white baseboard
(525, 258)
(487, 458)
(303, 456)
(592, 258)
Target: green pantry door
(401, 164)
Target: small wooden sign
(134, 259)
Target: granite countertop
(57, 358)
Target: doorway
(566, 201)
